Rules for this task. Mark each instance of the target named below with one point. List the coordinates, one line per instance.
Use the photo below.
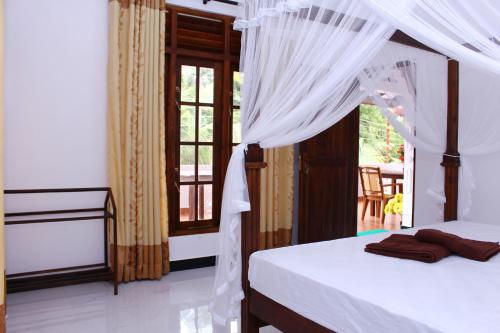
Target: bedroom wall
(55, 129)
(479, 108)
(55, 119)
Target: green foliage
(236, 126)
(237, 82)
(206, 129)
(373, 135)
(188, 84)
(188, 115)
(205, 113)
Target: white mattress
(345, 289)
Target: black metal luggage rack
(67, 275)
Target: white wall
(55, 88)
(55, 128)
(479, 125)
(55, 120)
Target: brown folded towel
(467, 248)
(408, 247)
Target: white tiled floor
(176, 304)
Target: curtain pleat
(276, 198)
(136, 136)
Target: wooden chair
(373, 190)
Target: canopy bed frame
(258, 310)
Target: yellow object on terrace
(395, 205)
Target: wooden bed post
(451, 158)
(250, 229)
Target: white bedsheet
(345, 289)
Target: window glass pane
(186, 202)
(236, 126)
(205, 163)
(237, 82)
(206, 124)
(187, 164)
(188, 124)
(205, 202)
(188, 83)
(206, 85)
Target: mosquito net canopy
(308, 63)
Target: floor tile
(176, 304)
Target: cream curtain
(276, 198)
(136, 136)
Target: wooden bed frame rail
(67, 275)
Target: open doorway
(329, 196)
(385, 174)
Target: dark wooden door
(328, 182)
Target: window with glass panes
(202, 115)
(198, 106)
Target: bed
(336, 286)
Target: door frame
(413, 181)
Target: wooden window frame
(216, 158)
(228, 60)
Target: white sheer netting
(308, 63)
(465, 30)
(408, 71)
(301, 68)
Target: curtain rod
(229, 2)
